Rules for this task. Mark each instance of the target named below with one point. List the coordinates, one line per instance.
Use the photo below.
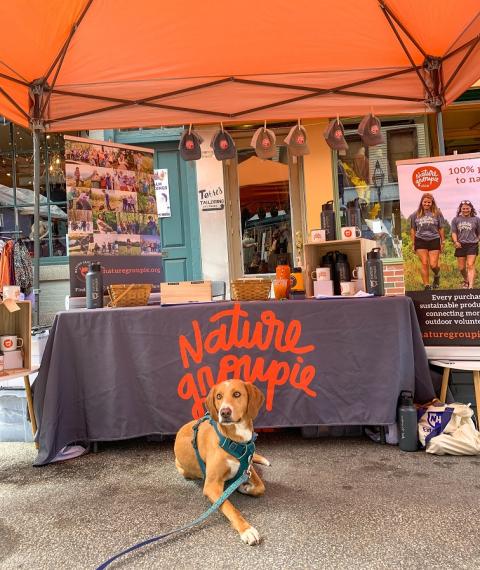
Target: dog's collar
(243, 451)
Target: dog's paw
(250, 536)
(261, 460)
(245, 488)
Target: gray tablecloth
(112, 374)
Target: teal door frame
(188, 183)
(166, 141)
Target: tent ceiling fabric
(114, 63)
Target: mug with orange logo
(10, 342)
(350, 232)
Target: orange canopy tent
(92, 64)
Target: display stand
(355, 249)
(17, 320)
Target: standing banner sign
(440, 203)
(112, 213)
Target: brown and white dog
(233, 404)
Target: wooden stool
(28, 392)
(467, 365)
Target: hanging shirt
(426, 227)
(466, 228)
(23, 267)
(5, 263)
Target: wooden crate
(19, 323)
(180, 292)
(355, 249)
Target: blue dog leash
(233, 487)
(241, 451)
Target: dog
(232, 405)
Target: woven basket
(133, 295)
(250, 289)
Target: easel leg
(443, 391)
(31, 412)
(476, 384)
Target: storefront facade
(264, 209)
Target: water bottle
(94, 286)
(374, 272)
(327, 220)
(354, 215)
(342, 271)
(407, 422)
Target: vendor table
(111, 374)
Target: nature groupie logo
(427, 178)
(81, 270)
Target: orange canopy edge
(95, 64)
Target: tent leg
(36, 224)
(440, 139)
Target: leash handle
(228, 491)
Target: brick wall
(393, 278)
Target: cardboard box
(181, 292)
(12, 359)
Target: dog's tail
(261, 460)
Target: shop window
(17, 195)
(401, 145)
(368, 188)
(266, 224)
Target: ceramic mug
(321, 274)
(350, 232)
(357, 273)
(347, 288)
(318, 236)
(10, 342)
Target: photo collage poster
(440, 208)
(112, 213)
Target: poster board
(448, 308)
(112, 213)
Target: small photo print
(79, 214)
(105, 222)
(147, 204)
(79, 243)
(146, 185)
(128, 245)
(128, 223)
(149, 225)
(150, 245)
(104, 244)
(80, 226)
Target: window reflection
(368, 189)
(265, 212)
(17, 195)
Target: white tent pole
(440, 139)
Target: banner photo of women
(112, 213)
(440, 208)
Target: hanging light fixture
(378, 179)
(55, 170)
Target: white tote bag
(449, 430)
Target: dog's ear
(255, 400)
(210, 404)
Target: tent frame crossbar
(389, 15)
(461, 63)
(58, 61)
(312, 92)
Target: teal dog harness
(241, 451)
